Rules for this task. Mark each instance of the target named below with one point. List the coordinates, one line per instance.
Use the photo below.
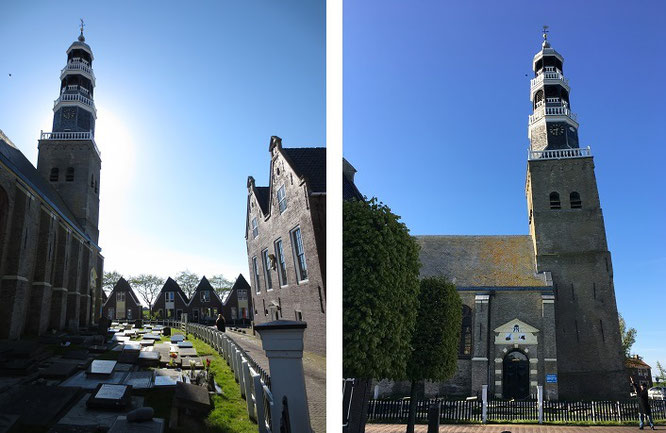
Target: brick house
(286, 241)
(171, 302)
(639, 370)
(237, 308)
(122, 303)
(205, 304)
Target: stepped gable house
(171, 302)
(50, 262)
(286, 241)
(237, 306)
(205, 304)
(122, 303)
(539, 309)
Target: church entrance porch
(516, 375)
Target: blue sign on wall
(551, 378)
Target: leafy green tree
(188, 282)
(220, 283)
(435, 339)
(628, 336)
(662, 375)
(148, 287)
(109, 280)
(380, 290)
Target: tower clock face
(69, 113)
(556, 129)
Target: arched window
(574, 198)
(69, 177)
(555, 200)
(465, 349)
(55, 174)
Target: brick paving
(314, 367)
(509, 428)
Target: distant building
(171, 302)
(237, 308)
(205, 304)
(122, 303)
(639, 370)
(50, 263)
(286, 241)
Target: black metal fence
(462, 411)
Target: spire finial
(81, 37)
(545, 44)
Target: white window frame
(295, 253)
(281, 263)
(282, 201)
(205, 296)
(255, 272)
(120, 297)
(255, 228)
(265, 261)
(169, 297)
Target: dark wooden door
(516, 378)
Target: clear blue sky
(436, 101)
(188, 95)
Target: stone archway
(516, 375)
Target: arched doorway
(516, 375)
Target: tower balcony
(78, 66)
(543, 111)
(69, 136)
(75, 97)
(559, 153)
(549, 77)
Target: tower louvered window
(69, 177)
(55, 174)
(574, 198)
(555, 201)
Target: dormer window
(282, 199)
(255, 228)
(555, 201)
(55, 174)
(205, 296)
(574, 199)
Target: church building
(50, 263)
(538, 309)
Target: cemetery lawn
(230, 409)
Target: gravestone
(129, 356)
(187, 352)
(177, 338)
(145, 343)
(96, 348)
(59, 370)
(103, 325)
(86, 381)
(81, 415)
(192, 397)
(110, 396)
(76, 354)
(185, 344)
(123, 367)
(156, 425)
(17, 367)
(140, 380)
(184, 363)
(75, 339)
(151, 337)
(149, 359)
(37, 405)
(101, 367)
(138, 323)
(166, 331)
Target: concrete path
(314, 367)
(509, 428)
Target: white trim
(14, 277)
(498, 383)
(479, 358)
(533, 361)
(533, 372)
(59, 289)
(550, 359)
(484, 299)
(73, 294)
(41, 283)
(548, 301)
(534, 383)
(498, 372)
(499, 360)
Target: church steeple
(552, 125)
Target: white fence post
(248, 387)
(540, 402)
(259, 414)
(484, 407)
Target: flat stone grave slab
(187, 351)
(81, 415)
(129, 356)
(17, 367)
(123, 367)
(98, 348)
(166, 378)
(101, 367)
(132, 345)
(76, 354)
(156, 425)
(142, 331)
(149, 359)
(82, 380)
(8, 422)
(68, 428)
(140, 379)
(75, 339)
(185, 344)
(110, 396)
(120, 339)
(184, 363)
(177, 338)
(37, 405)
(59, 370)
(151, 337)
(192, 397)
(144, 343)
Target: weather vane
(82, 25)
(545, 33)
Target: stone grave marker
(156, 425)
(37, 405)
(177, 338)
(59, 370)
(129, 356)
(151, 337)
(186, 351)
(185, 344)
(166, 378)
(101, 367)
(192, 397)
(86, 381)
(76, 354)
(110, 396)
(133, 345)
(102, 419)
(97, 348)
(17, 367)
(145, 343)
(123, 367)
(149, 359)
(184, 363)
(140, 380)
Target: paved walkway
(314, 367)
(509, 428)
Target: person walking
(644, 410)
(220, 323)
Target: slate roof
(240, 283)
(481, 261)
(310, 163)
(19, 164)
(123, 285)
(349, 190)
(263, 197)
(635, 363)
(170, 285)
(204, 284)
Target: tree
(109, 280)
(628, 336)
(148, 286)
(380, 297)
(188, 282)
(435, 339)
(220, 284)
(662, 375)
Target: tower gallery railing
(542, 111)
(548, 76)
(75, 97)
(559, 153)
(70, 135)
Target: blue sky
(188, 96)
(436, 100)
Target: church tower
(68, 156)
(569, 238)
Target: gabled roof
(204, 284)
(309, 163)
(240, 283)
(19, 164)
(349, 189)
(481, 261)
(123, 286)
(170, 285)
(262, 193)
(635, 362)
